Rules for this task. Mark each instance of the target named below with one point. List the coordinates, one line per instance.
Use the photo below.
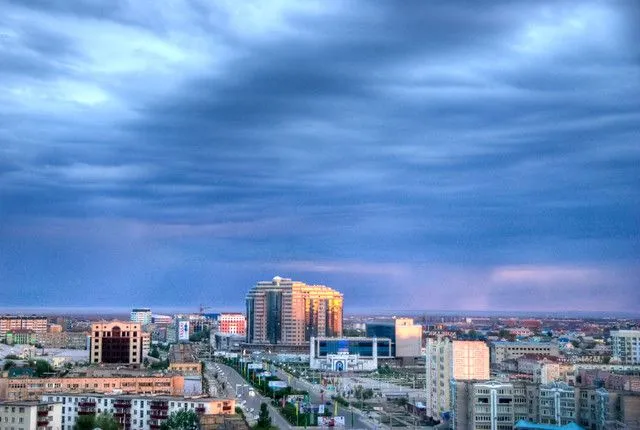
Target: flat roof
(527, 343)
(26, 403)
(137, 396)
(352, 338)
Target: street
(353, 418)
(235, 380)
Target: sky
(413, 155)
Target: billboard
(183, 331)
(331, 421)
(277, 384)
(254, 366)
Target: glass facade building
(282, 311)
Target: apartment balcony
(159, 405)
(159, 415)
(43, 413)
(122, 404)
(86, 404)
(201, 410)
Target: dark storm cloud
(417, 147)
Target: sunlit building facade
(448, 361)
(116, 342)
(282, 311)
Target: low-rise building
(348, 354)
(64, 339)
(21, 337)
(136, 412)
(31, 415)
(503, 350)
(29, 388)
(183, 359)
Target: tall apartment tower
(116, 342)
(10, 323)
(447, 361)
(235, 323)
(625, 346)
(141, 315)
(282, 311)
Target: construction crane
(204, 308)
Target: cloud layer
(429, 156)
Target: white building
(503, 350)
(141, 315)
(134, 411)
(557, 404)
(625, 346)
(349, 354)
(30, 415)
(489, 405)
(447, 361)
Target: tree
(154, 352)
(85, 422)
(264, 420)
(106, 421)
(181, 420)
(90, 422)
(8, 365)
(42, 367)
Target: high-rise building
(116, 342)
(232, 324)
(488, 405)
(162, 319)
(557, 404)
(9, 323)
(406, 337)
(625, 346)
(448, 361)
(282, 311)
(141, 315)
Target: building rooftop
(523, 343)
(523, 425)
(351, 338)
(137, 396)
(115, 371)
(183, 353)
(26, 403)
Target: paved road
(233, 378)
(359, 420)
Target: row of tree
(180, 420)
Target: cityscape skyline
(435, 156)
